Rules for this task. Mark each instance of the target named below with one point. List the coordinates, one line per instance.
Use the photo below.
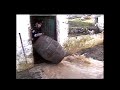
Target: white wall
(62, 28)
(101, 22)
(22, 24)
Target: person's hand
(33, 31)
(36, 35)
(39, 34)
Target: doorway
(48, 28)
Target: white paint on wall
(62, 28)
(101, 22)
(22, 25)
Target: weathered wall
(22, 24)
(101, 22)
(62, 28)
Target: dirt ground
(95, 52)
(24, 75)
(69, 68)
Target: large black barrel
(49, 49)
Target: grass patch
(74, 44)
(77, 22)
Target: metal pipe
(22, 47)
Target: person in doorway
(37, 31)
